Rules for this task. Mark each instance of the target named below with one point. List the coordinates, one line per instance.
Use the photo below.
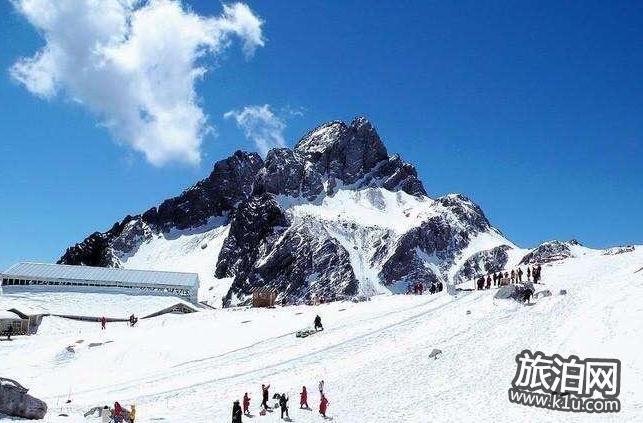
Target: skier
(519, 274)
(323, 404)
(303, 398)
(318, 323)
(264, 396)
(132, 414)
(246, 404)
(118, 413)
(103, 322)
(236, 412)
(528, 274)
(283, 404)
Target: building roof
(100, 274)
(8, 315)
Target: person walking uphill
(264, 396)
(323, 405)
(236, 412)
(303, 398)
(283, 404)
(318, 323)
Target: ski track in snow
(372, 355)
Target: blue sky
(532, 109)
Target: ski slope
(373, 356)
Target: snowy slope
(372, 355)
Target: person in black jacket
(318, 323)
(264, 396)
(283, 404)
(236, 412)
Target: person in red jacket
(246, 404)
(118, 412)
(303, 398)
(323, 404)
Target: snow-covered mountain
(336, 216)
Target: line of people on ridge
(417, 288)
(515, 276)
(238, 412)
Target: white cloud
(135, 64)
(260, 125)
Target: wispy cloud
(134, 64)
(260, 125)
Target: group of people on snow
(417, 288)
(504, 278)
(131, 321)
(282, 403)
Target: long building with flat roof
(64, 276)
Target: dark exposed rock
(303, 262)
(93, 251)
(16, 402)
(483, 263)
(252, 228)
(549, 251)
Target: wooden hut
(264, 297)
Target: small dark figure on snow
(527, 297)
(323, 405)
(488, 282)
(236, 412)
(283, 404)
(528, 274)
(9, 332)
(103, 323)
(440, 287)
(513, 276)
(132, 320)
(519, 274)
(318, 323)
(303, 398)
(321, 388)
(480, 282)
(264, 396)
(246, 404)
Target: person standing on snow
(303, 398)
(118, 413)
(323, 405)
(105, 415)
(236, 412)
(283, 404)
(519, 274)
(264, 396)
(246, 404)
(318, 323)
(321, 388)
(528, 274)
(488, 282)
(103, 322)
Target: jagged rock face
(425, 253)
(95, 250)
(303, 262)
(319, 254)
(253, 227)
(483, 263)
(548, 252)
(622, 249)
(229, 183)
(17, 403)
